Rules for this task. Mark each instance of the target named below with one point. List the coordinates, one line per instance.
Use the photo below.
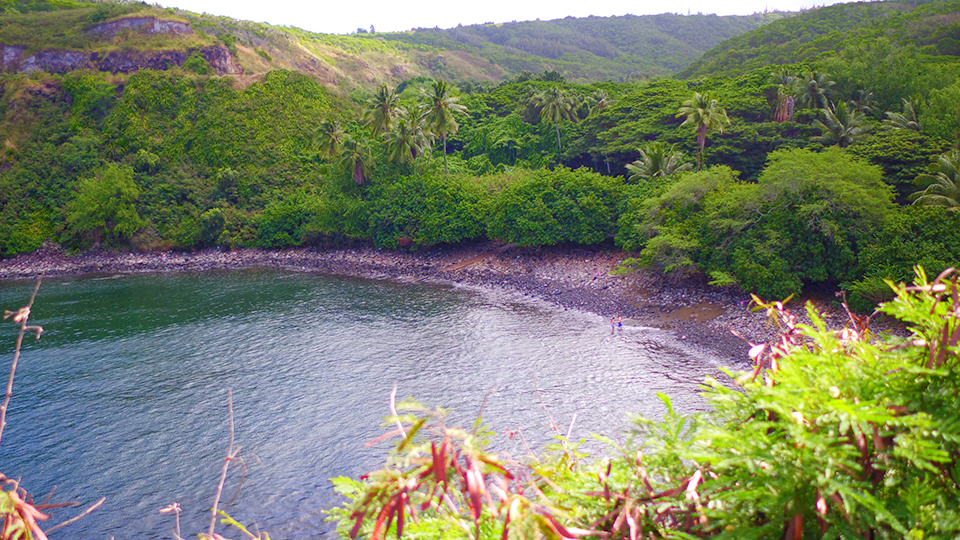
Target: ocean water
(125, 394)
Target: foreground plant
(20, 516)
(832, 434)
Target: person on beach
(620, 323)
(613, 324)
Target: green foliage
(832, 434)
(553, 207)
(817, 34)
(941, 118)
(311, 217)
(422, 211)
(104, 207)
(802, 222)
(663, 228)
(928, 236)
(196, 64)
(901, 153)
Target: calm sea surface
(125, 394)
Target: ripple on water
(124, 397)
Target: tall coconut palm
(786, 88)
(382, 110)
(944, 189)
(329, 136)
(355, 158)
(658, 160)
(840, 127)
(704, 114)
(438, 110)
(555, 106)
(407, 141)
(815, 90)
(909, 118)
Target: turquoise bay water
(125, 394)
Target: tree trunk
(444, 154)
(559, 149)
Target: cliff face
(14, 58)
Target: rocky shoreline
(571, 278)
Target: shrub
(544, 207)
(104, 207)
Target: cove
(125, 394)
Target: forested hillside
(847, 31)
(593, 48)
(121, 36)
(827, 173)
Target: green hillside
(933, 27)
(592, 48)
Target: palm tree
(382, 110)
(840, 127)
(814, 90)
(658, 160)
(356, 158)
(407, 141)
(704, 114)
(943, 190)
(909, 118)
(555, 106)
(862, 101)
(438, 111)
(786, 88)
(597, 102)
(329, 137)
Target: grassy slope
(816, 34)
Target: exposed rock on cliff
(14, 59)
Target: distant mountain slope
(592, 48)
(65, 35)
(931, 25)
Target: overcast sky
(345, 16)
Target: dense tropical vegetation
(775, 179)
(819, 150)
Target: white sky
(345, 16)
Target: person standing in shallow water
(620, 322)
(613, 324)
